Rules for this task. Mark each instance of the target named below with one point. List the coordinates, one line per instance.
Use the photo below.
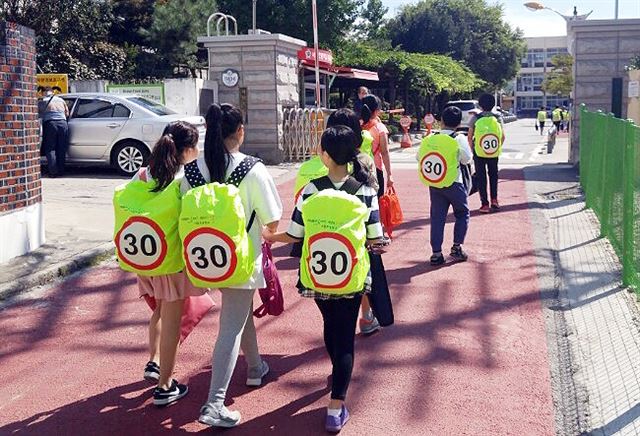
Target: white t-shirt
(258, 193)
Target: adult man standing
(55, 132)
(362, 93)
(556, 117)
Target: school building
(535, 66)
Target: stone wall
(21, 224)
(601, 49)
(268, 70)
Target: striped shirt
(369, 197)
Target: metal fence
(302, 129)
(610, 178)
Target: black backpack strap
(241, 171)
(193, 175)
(237, 176)
(351, 186)
(323, 183)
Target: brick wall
(19, 126)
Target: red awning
(347, 73)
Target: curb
(57, 270)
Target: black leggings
(380, 175)
(340, 317)
(487, 166)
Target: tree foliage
(422, 73)
(293, 17)
(173, 33)
(471, 31)
(373, 22)
(560, 79)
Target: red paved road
(467, 354)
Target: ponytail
(222, 122)
(166, 158)
(360, 172)
(370, 104)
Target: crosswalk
(408, 156)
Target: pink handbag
(271, 296)
(195, 308)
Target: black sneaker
(458, 254)
(164, 397)
(436, 259)
(152, 372)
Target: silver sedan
(118, 130)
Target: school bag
(146, 227)
(334, 257)
(438, 160)
(214, 228)
(310, 170)
(487, 135)
(271, 295)
(366, 146)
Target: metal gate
(302, 129)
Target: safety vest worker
(542, 115)
(487, 136)
(438, 161)
(556, 115)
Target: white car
(118, 130)
(468, 108)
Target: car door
(94, 125)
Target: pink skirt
(170, 287)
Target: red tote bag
(390, 211)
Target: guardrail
(610, 178)
(302, 129)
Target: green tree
(173, 34)
(471, 31)
(129, 18)
(293, 17)
(372, 27)
(560, 79)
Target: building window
(528, 82)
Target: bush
(634, 63)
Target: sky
(545, 22)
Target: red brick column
(20, 187)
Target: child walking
(486, 136)
(224, 163)
(440, 157)
(337, 217)
(177, 146)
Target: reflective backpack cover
(367, 143)
(334, 256)
(309, 170)
(214, 229)
(146, 228)
(438, 161)
(487, 135)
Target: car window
(69, 101)
(464, 106)
(120, 111)
(93, 109)
(152, 106)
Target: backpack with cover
(214, 229)
(310, 170)
(438, 160)
(146, 227)
(334, 256)
(487, 136)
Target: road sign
(405, 122)
(429, 119)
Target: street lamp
(537, 6)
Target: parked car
(118, 130)
(468, 108)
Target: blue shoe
(334, 424)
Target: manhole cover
(569, 193)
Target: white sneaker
(219, 418)
(255, 375)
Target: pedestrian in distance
(541, 117)
(556, 118)
(566, 115)
(370, 116)
(440, 157)
(55, 132)
(362, 93)
(486, 136)
(161, 179)
(337, 217)
(223, 165)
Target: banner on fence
(150, 91)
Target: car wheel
(129, 157)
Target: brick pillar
(21, 222)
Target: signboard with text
(58, 82)
(150, 91)
(308, 57)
